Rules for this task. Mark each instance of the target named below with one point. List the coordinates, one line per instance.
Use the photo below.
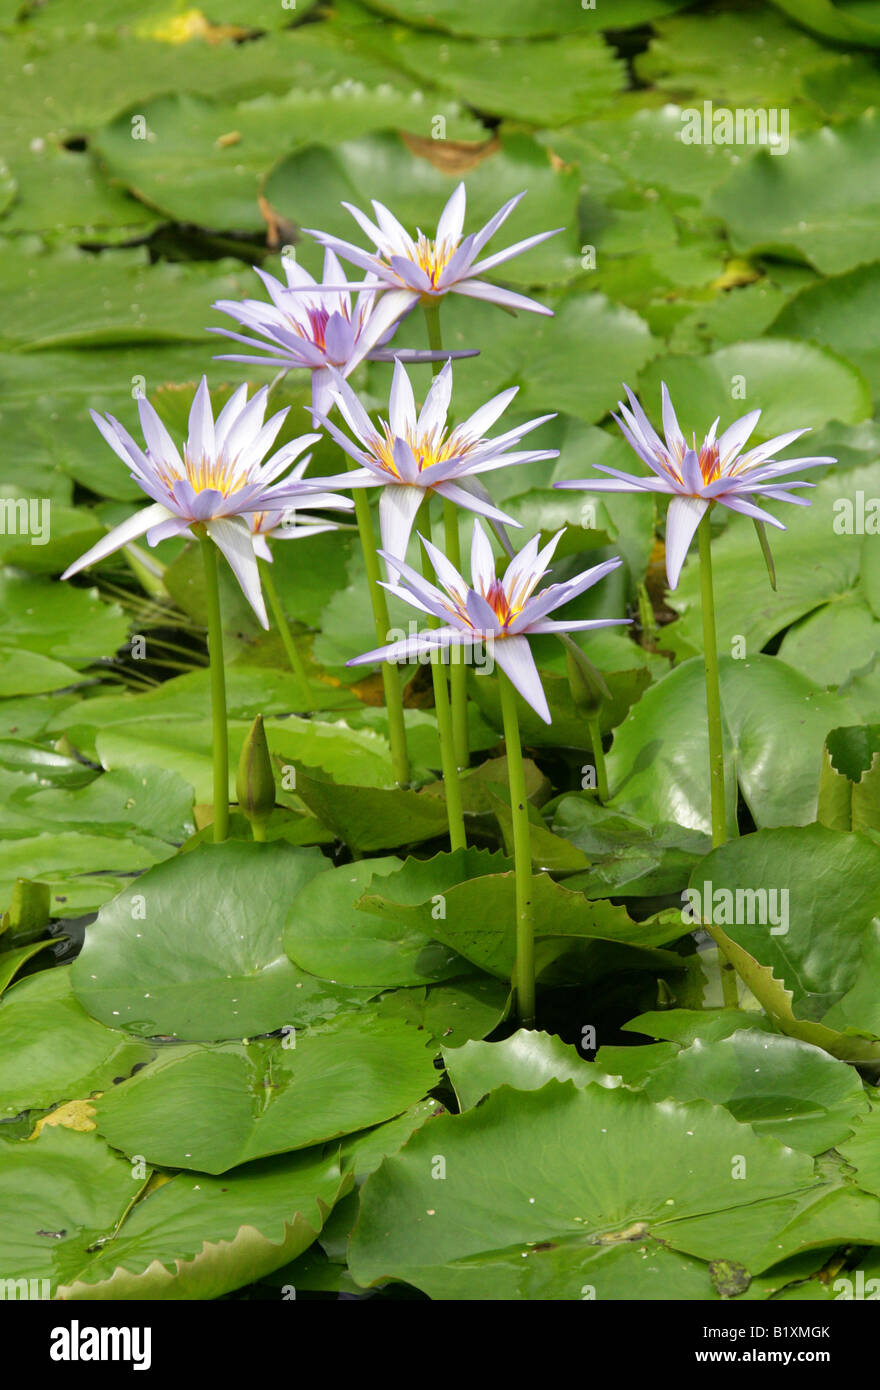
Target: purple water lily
(308, 325)
(216, 481)
(426, 269)
(414, 453)
(719, 471)
(502, 613)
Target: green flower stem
(524, 972)
(729, 991)
(218, 687)
(713, 688)
(598, 757)
(390, 672)
(294, 655)
(451, 783)
(457, 668)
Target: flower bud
(587, 685)
(255, 782)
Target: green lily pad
(526, 1060)
(819, 202)
(625, 856)
(545, 82)
(849, 785)
(476, 917)
(69, 1196)
(52, 1051)
(801, 878)
(781, 1087)
(327, 935)
(840, 313)
(371, 818)
(516, 18)
(206, 160)
(194, 949)
(658, 765)
(795, 384)
(66, 297)
(195, 1107)
(556, 1227)
(83, 870)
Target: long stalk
(713, 687)
(524, 971)
(390, 673)
(218, 689)
(451, 783)
(729, 991)
(294, 655)
(598, 757)
(457, 668)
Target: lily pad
(195, 1107)
(194, 950)
(327, 935)
(52, 1050)
(553, 1227)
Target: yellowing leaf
(75, 1114)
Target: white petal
(136, 525)
(482, 559)
(402, 404)
(233, 537)
(514, 656)
(397, 512)
(735, 436)
(682, 519)
(436, 407)
(451, 223)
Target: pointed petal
(493, 294)
(518, 247)
(401, 404)
(482, 559)
(135, 526)
(451, 223)
(735, 436)
(397, 512)
(671, 428)
(233, 537)
(159, 441)
(514, 656)
(682, 519)
(436, 407)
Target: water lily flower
(215, 482)
(290, 523)
(308, 325)
(414, 453)
(426, 269)
(717, 471)
(502, 613)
